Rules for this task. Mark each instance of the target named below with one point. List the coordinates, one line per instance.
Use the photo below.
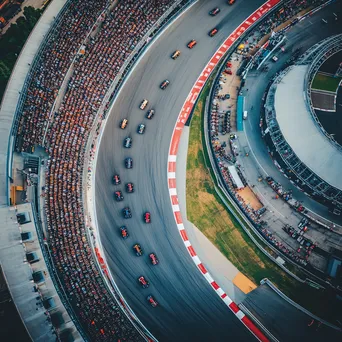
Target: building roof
(301, 132)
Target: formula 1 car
(154, 259)
(150, 114)
(141, 129)
(213, 32)
(214, 11)
(118, 196)
(164, 84)
(123, 123)
(137, 249)
(144, 283)
(124, 232)
(152, 301)
(176, 54)
(128, 142)
(129, 163)
(126, 212)
(116, 180)
(129, 187)
(191, 44)
(147, 217)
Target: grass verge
(208, 213)
(326, 82)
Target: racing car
(128, 142)
(129, 163)
(176, 54)
(126, 212)
(164, 84)
(123, 123)
(147, 217)
(118, 196)
(191, 44)
(124, 232)
(154, 259)
(129, 187)
(150, 114)
(152, 301)
(214, 11)
(213, 32)
(116, 180)
(141, 129)
(144, 283)
(137, 249)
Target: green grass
(208, 213)
(327, 83)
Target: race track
(189, 309)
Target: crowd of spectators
(53, 65)
(120, 28)
(224, 158)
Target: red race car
(152, 301)
(129, 187)
(116, 179)
(118, 196)
(124, 232)
(144, 283)
(137, 249)
(154, 259)
(147, 217)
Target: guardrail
(233, 202)
(298, 307)
(107, 102)
(221, 183)
(333, 44)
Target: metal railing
(329, 46)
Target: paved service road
(189, 309)
(303, 35)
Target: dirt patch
(250, 198)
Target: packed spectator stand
(120, 30)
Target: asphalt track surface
(189, 309)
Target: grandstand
(307, 154)
(60, 121)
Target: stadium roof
(301, 132)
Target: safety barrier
(172, 157)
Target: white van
(245, 114)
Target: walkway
(15, 86)
(221, 269)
